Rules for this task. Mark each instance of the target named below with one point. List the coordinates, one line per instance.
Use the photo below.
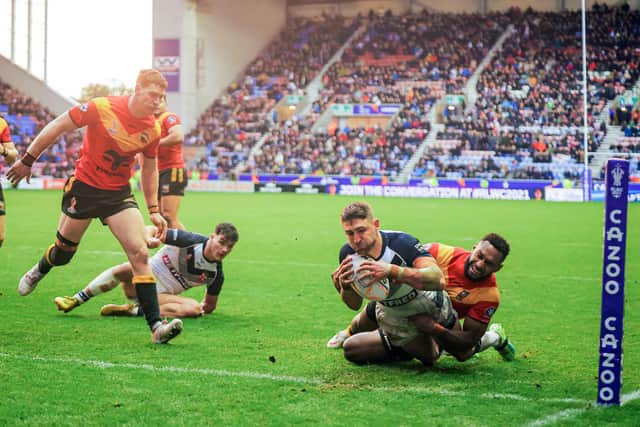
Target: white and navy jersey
(180, 264)
(400, 249)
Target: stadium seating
(526, 121)
(26, 117)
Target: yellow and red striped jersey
(5, 133)
(169, 156)
(478, 300)
(113, 138)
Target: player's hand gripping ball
(376, 291)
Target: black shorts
(82, 201)
(2, 211)
(172, 182)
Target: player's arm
(350, 298)
(9, 152)
(209, 303)
(423, 275)
(175, 135)
(149, 182)
(182, 238)
(454, 341)
(47, 136)
(342, 278)
(210, 300)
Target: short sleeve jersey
(112, 140)
(5, 133)
(169, 156)
(397, 248)
(180, 264)
(477, 300)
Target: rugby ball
(376, 291)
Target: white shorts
(394, 321)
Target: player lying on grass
(472, 287)
(187, 260)
(416, 286)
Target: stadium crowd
(525, 123)
(26, 117)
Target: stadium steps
(471, 95)
(313, 89)
(613, 132)
(312, 92)
(470, 90)
(603, 153)
(405, 175)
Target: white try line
(214, 372)
(557, 278)
(570, 413)
(283, 378)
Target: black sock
(148, 297)
(44, 266)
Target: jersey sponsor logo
(489, 311)
(107, 172)
(116, 159)
(72, 207)
(174, 272)
(396, 302)
(423, 248)
(462, 295)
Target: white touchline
(284, 378)
(570, 413)
(567, 413)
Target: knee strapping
(57, 256)
(62, 251)
(63, 241)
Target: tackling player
(187, 260)
(118, 127)
(173, 179)
(9, 152)
(472, 286)
(416, 287)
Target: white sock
(489, 339)
(104, 282)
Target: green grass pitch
(261, 359)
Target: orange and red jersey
(478, 300)
(169, 156)
(112, 140)
(5, 133)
